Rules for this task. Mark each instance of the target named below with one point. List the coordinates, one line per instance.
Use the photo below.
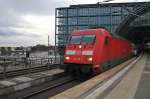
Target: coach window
(106, 41)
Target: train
(93, 51)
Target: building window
(62, 39)
(103, 11)
(83, 12)
(83, 21)
(62, 21)
(62, 30)
(62, 13)
(72, 21)
(72, 28)
(93, 20)
(83, 27)
(116, 10)
(72, 12)
(104, 20)
(93, 11)
(116, 19)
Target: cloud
(40, 7)
(28, 22)
(20, 41)
(11, 33)
(27, 19)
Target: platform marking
(108, 83)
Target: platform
(143, 90)
(132, 82)
(11, 85)
(128, 86)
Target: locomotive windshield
(88, 39)
(83, 39)
(76, 39)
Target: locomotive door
(108, 53)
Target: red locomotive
(94, 51)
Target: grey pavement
(143, 90)
(15, 84)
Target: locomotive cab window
(88, 39)
(75, 39)
(106, 42)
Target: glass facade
(78, 17)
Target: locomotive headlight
(90, 59)
(80, 46)
(67, 58)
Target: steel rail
(26, 71)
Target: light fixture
(90, 59)
(80, 46)
(67, 58)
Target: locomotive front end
(80, 49)
(79, 54)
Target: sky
(29, 22)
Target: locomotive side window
(106, 41)
(76, 39)
(88, 39)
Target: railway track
(52, 85)
(26, 71)
(51, 88)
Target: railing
(16, 63)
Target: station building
(85, 16)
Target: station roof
(107, 4)
(102, 4)
(139, 33)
